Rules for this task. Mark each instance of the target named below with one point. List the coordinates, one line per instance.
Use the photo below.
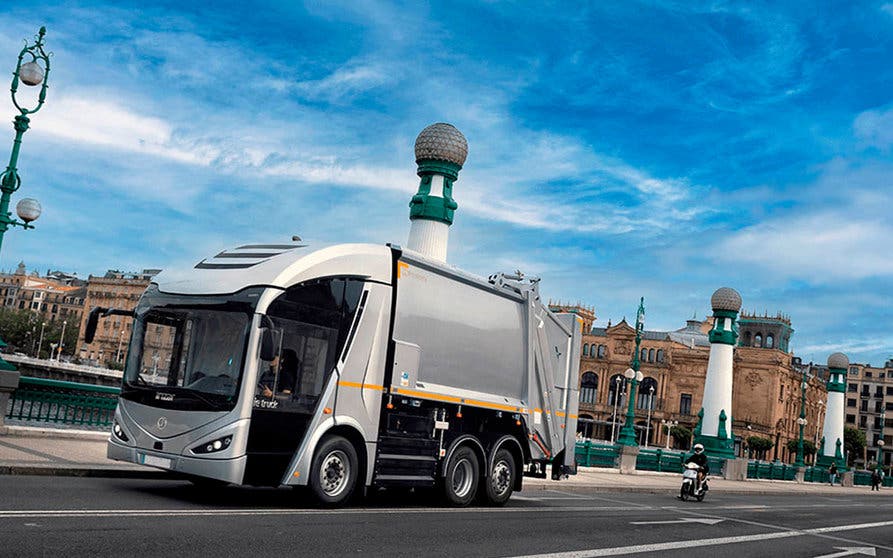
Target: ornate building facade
(766, 387)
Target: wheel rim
(501, 477)
(462, 479)
(334, 473)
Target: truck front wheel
(501, 479)
(334, 472)
(461, 477)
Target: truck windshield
(187, 352)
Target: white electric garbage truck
(349, 367)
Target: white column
(717, 389)
(833, 428)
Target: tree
(808, 447)
(759, 446)
(853, 442)
(20, 328)
(681, 436)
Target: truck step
(399, 457)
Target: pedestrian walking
(832, 473)
(876, 478)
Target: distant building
(116, 289)
(866, 400)
(58, 296)
(766, 390)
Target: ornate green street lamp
(801, 421)
(633, 376)
(32, 69)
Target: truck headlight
(214, 445)
(119, 432)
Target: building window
(586, 350)
(685, 404)
(851, 418)
(889, 390)
(878, 406)
(850, 402)
(660, 355)
(650, 355)
(863, 421)
(645, 398)
(852, 387)
(868, 374)
(770, 341)
(757, 340)
(601, 351)
(781, 392)
(864, 406)
(643, 356)
(589, 388)
(615, 389)
(747, 339)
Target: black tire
(334, 472)
(461, 477)
(683, 493)
(500, 481)
(700, 497)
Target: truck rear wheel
(334, 471)
(460, 481)
(501, 479)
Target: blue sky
(618, 149)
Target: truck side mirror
(92, 322)
(267, 344)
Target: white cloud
(822, 247)
(874, 128)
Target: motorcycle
(691, 488)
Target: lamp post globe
(31, 73)
(28, 209)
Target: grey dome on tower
(726, 299)
(838, 360)
(441, 142)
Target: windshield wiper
(201, 397)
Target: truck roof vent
(245, 256)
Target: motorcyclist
(699, 458)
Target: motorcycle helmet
(698, 448)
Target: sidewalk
(48, 451)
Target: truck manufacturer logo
(164, 396)
(162, 422)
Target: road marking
(676, 545)
(11, 514)
(702, 520)
(849, 551)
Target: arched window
(647, 394)
(757, 340)
(616, 389)
(770, 341)
(643, 356)
(586, 350)
(660, 355)
(601, 351)
(746, 342)
(650, 355)
(589, 388)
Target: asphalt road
(43, 516)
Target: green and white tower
(440, 152)
(714, 428)
(831, 448)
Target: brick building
(869, 396)
(113, 290)
(766, 389)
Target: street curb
(32, 470)
(55, 433)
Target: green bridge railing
(773, 470)
(58, 402)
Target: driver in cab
(280, 375)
